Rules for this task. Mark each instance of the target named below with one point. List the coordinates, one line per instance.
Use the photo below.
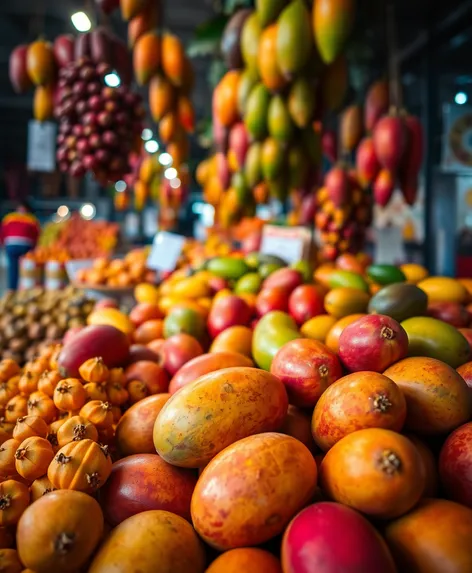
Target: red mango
(337, 183)
(412, 160)
(222, 170)
(64, 50)
(390, 139)
(377, 103)
(366, 162)
(239, 142)
(18, 70)
(384, 186)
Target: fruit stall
(241, 335)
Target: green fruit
(249, 283)
(256, 259)
(436, 339)
(340, 278)
(294, 38)
(298, 166)
(257, 106)
(305, 268)
(250, 36)
(312, 143)
(278, 120)
(252, 164)
(269, 10)
(385, 274)
(272, 332)
(272, 157)
(266, 269)
(400, 301)
(248, 80)
(228, 268)
(184, 320)
(239, 184)
(301, 103)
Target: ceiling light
(146, 134)
(81, 21)
(461, 98)
(170, 173)
(63, 211)
(88, 211)
(112, 80)
(151, 146)
(175, 183)
(120, 186)
(165, 159)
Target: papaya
(43, 105)
(146, 57)
(216, 410)
(344, 301)
(225, 99)
(270, 466)
(269, 10)
(444, 289)
(301, 102)
(252, 165)
(228, 268)
(436, 339)
(279, 121)
(272, 159)
(250, 37)
(385, 274)
(332, 23)
(257, 107)
(272, 331)
(268, 66)
(294, 41)
(173, 59)
(40, 63)
(341, 278)
(399, 301)
(161, 97)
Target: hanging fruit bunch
(37, 66)
(99, 125)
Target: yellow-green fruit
(250, 41)
(332, 24)
(269, 10)
(257, 106)
(239, 184)
(272, 159)
(301, 103)
(252, 165)
(247, 82)
(312, 143)
(249, 283)
(298, 166)
(278, 120)
(294, 38)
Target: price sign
(165, 251)
(42, 146)
(291, 244)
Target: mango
(344, 301)
(414, 273)
(399, 301)
(340, 278)
(301, 102)
(272, 331)
(279, 121)
(252, 165)
(332, 23)
(250, 36)
(248, 283)
(317, 328)
(266, 269)
(228, 268)
(436, 339)
(257, 106)
(218, 409)
(444, 289)
(294, 41)
(385, 274)
(269, 10)
(247, 81)
(273, 159)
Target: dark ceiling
(23, 20)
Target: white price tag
(289, 243)
(165, 252)
(72, 267)
(42, 146)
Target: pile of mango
(286, 67)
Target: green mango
(248, 80)
(298, 166)
(228, 268)
(184, 320)
(273, 159)
(252, 164)
(279, 121)
(257, 106)
(301, 103)
(266, 269)
(269, 10)
(340, 278)
(294, 38)
(249, 283)
(239, 184)
(399, 301)
(250, 36)
(385, 274)
(312, 143)
(332, 25)
(305, 268)
(272, 332)
(256, 259)
(436, 339)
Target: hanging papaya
(173, 59)
(390, 139)
(43, 105)
(40, 63)
(146, 57)
(131, 8)
(332, 24)
(294, 41)
(225, 98)
(161, 97)
(143, 22)
(269, 69)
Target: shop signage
(292, 244)
(165, 252)
(42, 146)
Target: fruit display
(331, 392)
(34, 319)
(98, 125)
(75, 238)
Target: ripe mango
(257, 106)
(279, 121)
(294, 40)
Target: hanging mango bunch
(37, 66)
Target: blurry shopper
(19, 234)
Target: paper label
(165, 252)
(292, 244)
(42, 146)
